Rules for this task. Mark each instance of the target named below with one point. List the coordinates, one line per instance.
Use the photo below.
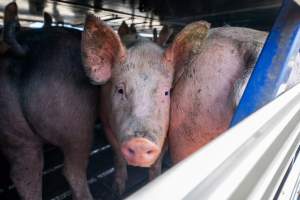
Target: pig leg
(119, 162)
(26, 169)
(120, 174)
(76, 156)
(155, 169)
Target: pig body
(45, 96)
(204, 97)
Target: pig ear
(47, 20)
(123, 29)
(11, 12)
(188, 41)
(155, 35)
(164, 35)
(133, 29)
(100, 48)
(11, 25)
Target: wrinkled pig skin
(203, 98)
(45, 96)
(135, 102)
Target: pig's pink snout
(140, 152)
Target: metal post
(272, 69)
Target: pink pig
(135, 102)
(201, 65)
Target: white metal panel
(291, 188)
(246, 162)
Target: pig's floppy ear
(155, 35)
(164, 35)
(186, 43)
(100, 48)
(123, 29)
(132, 29)
(47, 20)
(10, 12)
(11, 26)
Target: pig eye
(120, 91)
(167, 93)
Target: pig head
(137, 94)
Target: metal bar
(227, 12)
(88, 6)
(272, 69)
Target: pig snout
(140, 152)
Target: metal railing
(273, 68)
